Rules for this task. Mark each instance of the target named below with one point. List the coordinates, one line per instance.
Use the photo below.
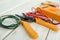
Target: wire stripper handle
(46, 24)
(30, 31)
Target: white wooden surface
(20, 33)
(8, 4)
(54, 35)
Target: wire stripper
(49, 11)
(41, 20)
(27, 26)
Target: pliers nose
(26, 18)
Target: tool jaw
(26, 18)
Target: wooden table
(19, 33)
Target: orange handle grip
(30, 31)
(53, 9)
(46, 24)
(49, 13)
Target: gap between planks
(47, 34)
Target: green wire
(12, 26)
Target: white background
(17, 7)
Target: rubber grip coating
(46, 24)
(29, 29)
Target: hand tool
(41, 16)
(51, 14)
(38, 19)
(27, 26)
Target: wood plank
(8, 4)
(54, 35)
(4, 32)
